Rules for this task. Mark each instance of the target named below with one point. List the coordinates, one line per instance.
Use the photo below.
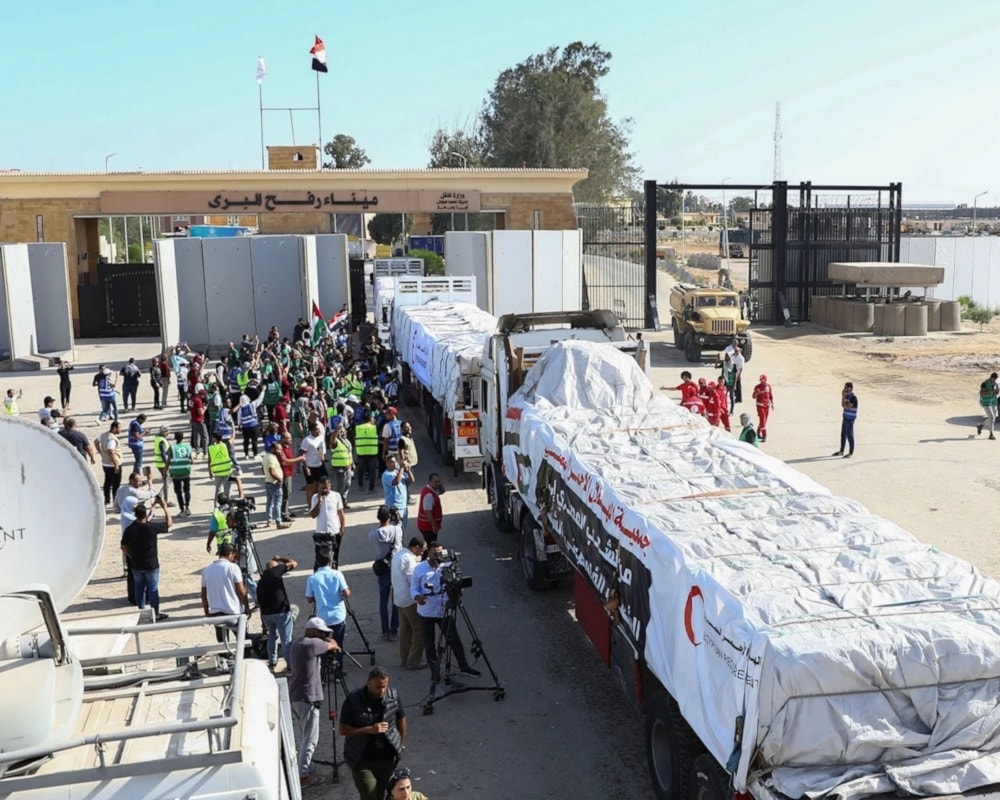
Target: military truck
(706, 318)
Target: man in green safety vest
(179, 467)
(748, 434)
(342, 463)
(160, 447)
(220, 526)
(220, 465)
(366, 450)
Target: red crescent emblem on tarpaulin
(688, 611)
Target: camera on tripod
(242, 507)
(452, 580)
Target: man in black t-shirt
(275, 609)
(373, 724)
(140, 546)
(77, 439)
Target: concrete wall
(969, 262)
(212, 291)
(51, 298)
(17, 326)
(513, 270)
(329, 254)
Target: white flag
(261, 69)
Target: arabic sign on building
(287, 201)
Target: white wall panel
(165, 268)
(512, 273)
(310, 274)
(468, 253)
(191, 303)
(332, 273)
(17, 296)
(547, 270)
(277, 282)
(572, 260)
(50, 297)
(228, 289)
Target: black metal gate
(124, 302)
(614, 262)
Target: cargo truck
(778, 641)
(438, 335)
(92, 711)
(510, 352)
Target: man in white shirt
(313, 447)
(739, 362)
(328, 510)
(222, 590)
(411, 640)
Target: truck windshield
(727, 301)
(705, 302)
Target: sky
(871, 92)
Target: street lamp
(725, 226)
(975, 202)
(107, 158)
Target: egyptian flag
(319, 327)
(319, 56)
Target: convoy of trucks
(82, 718)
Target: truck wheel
(709, 781)
(671, 748)
(532, 569)
(691, 350)
(748, 348)
(678, 341)
(496, 502)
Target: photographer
(327, 590)
(427, 592)
(328, 511)
(373, 724)
(386, 539)
(139, 535)
(395, 479)
(220, 524)
(305, 690)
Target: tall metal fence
(614, 272)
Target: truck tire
(678, 340)
(532, 569)
(671, 748)
(691, 350)
(748, 348)
(497, 506)
(709, 781)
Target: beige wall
(69, 203)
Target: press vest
(395, 429)
(340, 454)
(232, 381)
(436, 513)
(222, 535)
(368, 712)
(745, 435)
(272, 393)
(158, 447)
(180, 460)
(248, 416)
(104, 388)
(220, 465)
(224, 425)
(366, 439)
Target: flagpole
(260, 101)
(319, 121)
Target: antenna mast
(777, 141)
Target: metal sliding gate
(614, 265)
(792, 244)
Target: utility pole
(777, 141)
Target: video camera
(242, 507)
(452, 580)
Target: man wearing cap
(106, 393)
(391, 432)
(305, 690)
(45, 412)
(764, 397)
(747, 434)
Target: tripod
(369, 650)
(454, 608)
(332, 674)
(248, 558)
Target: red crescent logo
(688, 609)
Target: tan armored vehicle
(704, 318)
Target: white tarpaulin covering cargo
(441, 343)
(863, 660)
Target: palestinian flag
(318, 53)
(319, 326)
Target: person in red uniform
(689, 394)
(430, 514)
(711, 399)
(763, 395)
(722, 396)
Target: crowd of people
(325, 409)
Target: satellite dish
(51, 519)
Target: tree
(740, 203)
(549, 112)
(345, 153)
(388, 228)
(459, 147)
(668, 200)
